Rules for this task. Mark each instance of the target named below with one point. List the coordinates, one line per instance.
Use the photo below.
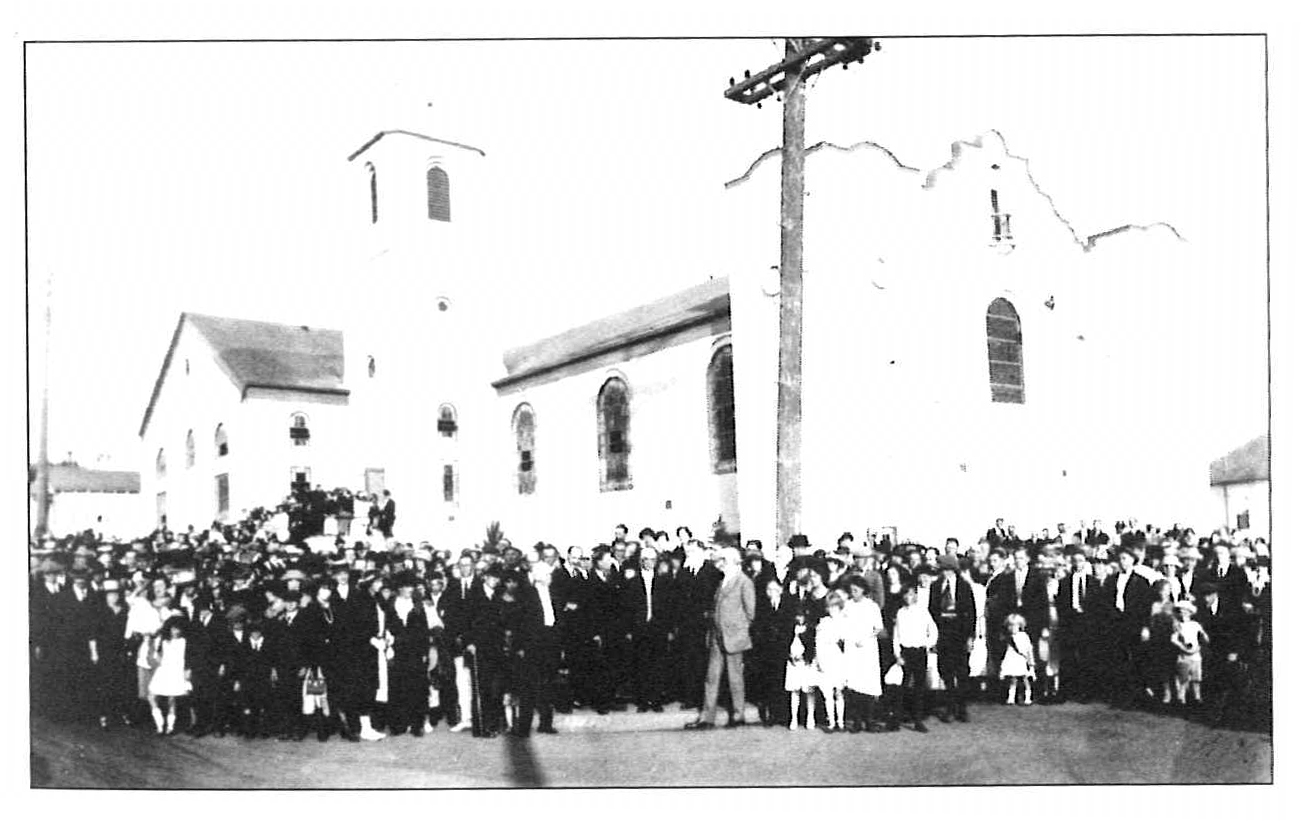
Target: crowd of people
(236, 630)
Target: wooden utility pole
(804, 58)
(43, 458)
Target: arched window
(189, 448)
(299, 431)
(370, 367)
(526, 470)
(160, 464)
(447, 421)
(374, 194)
(613, 417)
(722, 411)
(440, 203)
(223, 447)
(1003, 332)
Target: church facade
(968, 354)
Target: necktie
(1020, 583)
(948, 597)
(649, 611)
(1079, 593)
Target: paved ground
(1066, 744)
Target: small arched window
(374, 194)
(722, 411)
(189, 448)
(370, 367)
(447, 421)
(219, 438)
(613, 420)
(440, 203)
(300, 433)
(1003, 334)
(524, 425)
(160, 464)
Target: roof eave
(600, 350)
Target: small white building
(104, 501)
(1240, 481)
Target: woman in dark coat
(409, 668)
(774, 619)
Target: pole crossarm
(815, 57)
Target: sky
(208, 177)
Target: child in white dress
(801, 676)
(1187, 637)
(1017, 668)
(171, 678)
(831, 660)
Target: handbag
(314, 683)
(894, 676)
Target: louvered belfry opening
(440, 204)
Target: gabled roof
(686, 309)
(365, 146)
(264, 355)
(77, 479)
(1249, 463)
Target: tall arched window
(613, 417)
(374, 194)
(722, 411)
(440, 202)
(189, 448)
(1003, 333)
(300, 433)
(160, 464)
(526, 470)
(447, 421)
(219, 438)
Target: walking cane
(476, 707)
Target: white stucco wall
(673, 482)
(899, 426)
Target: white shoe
(462, 727)
(429, 728)
(368, 731)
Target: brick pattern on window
(1003, 337)
(613, 445)
(525, 432)
(720, 398)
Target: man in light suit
(729, 639)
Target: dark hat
(405, 579)
(949, 562)
(237, 612)
(798, 540)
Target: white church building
(967, 355)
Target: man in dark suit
(647, 609)
(732, 614)
(485, 640)
(1229, 579)
(996, 535)
(290, 642)
(458, 601)
(76, 610)
(953, 608)
(541, 655)
(409, 669)
(1224, 662)
(252, 674)
(203, 635)
(1126, 608)
(1021, 591)
(571, 595)
(699, 579)
(1078, 599)
(388, 515)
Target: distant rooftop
(381, 135)
(1249, 463)
(685, 309)
(77, 479)
(264, 355)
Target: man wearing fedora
(733, 612)
(953, 609)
